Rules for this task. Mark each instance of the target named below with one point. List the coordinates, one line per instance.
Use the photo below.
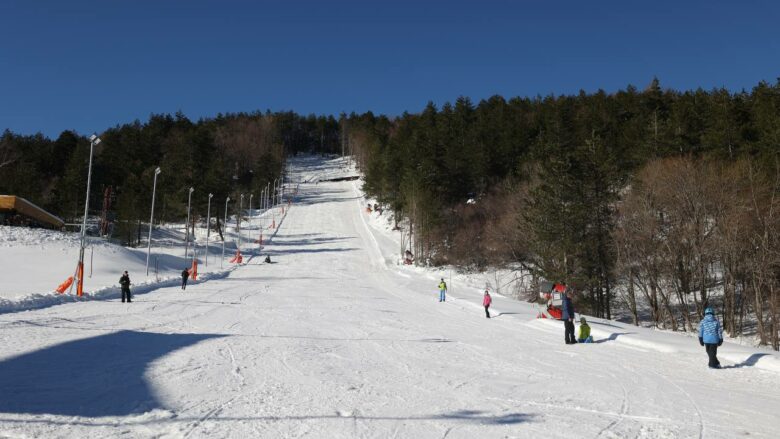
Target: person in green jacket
(584, 336)
(442, 291)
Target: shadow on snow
(613, 337)
(97, 376)
(307, 250)
(749, 362)
(473, 416)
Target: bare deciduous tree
(689, 228)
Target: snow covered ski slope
(332, 341)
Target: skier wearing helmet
(711, 336)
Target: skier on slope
(124, 281)
(711, 336)
(442, 291)
(568, 318)
(185, 274)
(486, 301)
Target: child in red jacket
(486, 301)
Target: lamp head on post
(94, 139)
(157, 171)
(192, 189)
(211, 196)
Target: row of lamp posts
(268, 198)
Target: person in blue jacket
(711, 336)
(568, 318)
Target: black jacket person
(568, 318)
(124, 282)
(185, 274)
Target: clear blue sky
(89, 65)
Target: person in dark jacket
(185, 274)
(124, 282)
(267, 259)
(711, 336)
(568, 319)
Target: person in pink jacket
(486, 301)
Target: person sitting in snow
(711, 336)
(584, 336)
(267, 259)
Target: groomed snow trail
(330, 341)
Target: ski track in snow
(333, 340)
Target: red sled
(554, 312)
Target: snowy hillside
(335, 339)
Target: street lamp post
(249, 237)
(208, 228)
(273, 199)
(262, 206)
(238, 221)
(187, 226)
(93, 140)
(151, 220)
(224, 224)
(265, 202)
(281, 183)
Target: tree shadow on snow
(308, 250)
(482, 417)
(315, 196)
(751, 361)
(612, 337)
(322, 200)
(471, 416)
(274, 278)
(281, 241)
(98, 376)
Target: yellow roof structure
(11, 203)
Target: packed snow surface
(335, 340)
